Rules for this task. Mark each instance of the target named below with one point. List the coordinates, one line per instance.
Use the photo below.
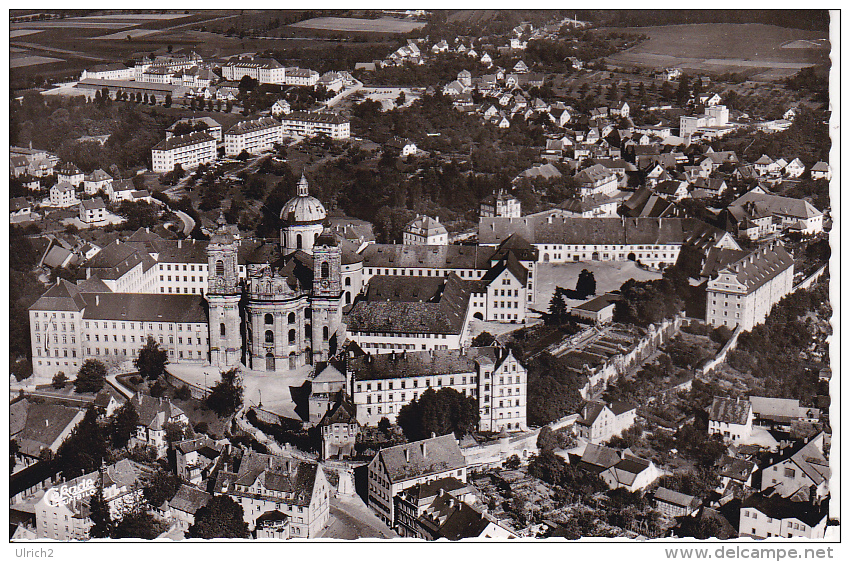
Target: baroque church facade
(287, 312)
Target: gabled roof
(760, 266)
(423, 363)
(777, 507)
(146, 307)
(736, 468)
(154, 412)
(45, 423)
(675, 498)
(62, 296)
(729, 410)
(776, 204)
(421, 458)
(189, 499)
(344, 411)
(599, 457)
(91, 204)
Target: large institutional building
(272, 305)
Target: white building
(63, 514)
(92, 210)
(264, 71)
(744, 292)
(63, 195)
(732, 418)
(189, 151)
(425, 231)
(821, 171)
(213, 127)
(112, 71)
(597, 179)
(265, 483)
(304, 124)
(301, 76)
(281, 107)
(384, 383)
(598, 422)
(69, 173)
(501, 204)
(395, 469)
(254, 137)
(97, 181)
(765, 515)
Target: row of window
(198, 327)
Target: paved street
(352, 519)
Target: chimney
(407, 455)
(46, 423)
(179, 243)
(97, 300)
(424, 449)
(451, 503)
(117, 241)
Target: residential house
(781, 413)
(339, 430)
(69, 173)
(675, 504)
(599, 310)
(398, 468)
(730, 417)
(37, 427)
(155, 415)
(281, 107)
(795, 168)
(765, 165)
(185, 504)
(620, 110)
(821, 171)
(520, 67)
(736, 473)
(632, 473)
(423, 230)
(97, 181)
(765, 515)
(596, 179)
(402, 147)
(63, 194)
(801, 468)
(326, 389)
(195, 458)
(92, 210)
(598, 422)
(187, 151)
(673, 189)
(19, 209)
(412, 503)
(450, 518)
(255, 136)
(501, 204)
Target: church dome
(303, 208)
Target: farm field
(380, 25)
(776, 51)
(30, 60)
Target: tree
(384, 425)
(59, 380)
(14, 448)
(167, 100)
(613, 94)
(153, 99)
(226, 396)
(400, 99)
(158, 388)
(221, 518)
(145, 98)
(85, 449)
(183, 393)
(586, 284)
(484, 339)
(91, 376)
(683, 92)
(701, 528)
(176, 432)
(103, 526)
(210, 105)
(558, 306)
(439, 412)
(161, 487)
(152, 360)
(138, 524)
(123, 424)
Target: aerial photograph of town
(487, 274)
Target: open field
(30, 60)
(380, 25)
(721, 48)
(133, 17)
(22, 32)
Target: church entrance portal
(269, 362)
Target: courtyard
(609, 275)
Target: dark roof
(777, 507)
(595, 231)
(282, 474)
(184, 140)
(444, 317)
(510, 263)
(32, 475)
(402, 288)
(760, 266)
(114, 85)
(729, 410)
(19, 203)
(344, 411)
(435, 257)
(145, 307)
(153, 412)
(96, 203)
(244, 127)
(736, 468)
(45, 423)
(598, 303)
(422, 363)
(675, 498)
(62, 296)
(189, 499)
(314, 117)
(441, 454)
(599, 457)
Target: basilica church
(287, 312)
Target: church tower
(302, 219)
(223, 295)
(326, 301)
